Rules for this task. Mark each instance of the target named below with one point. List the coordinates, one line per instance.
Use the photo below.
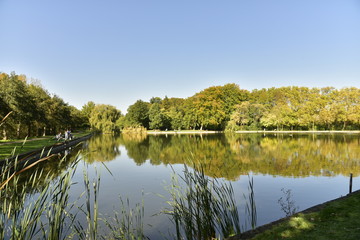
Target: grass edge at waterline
(335, 219)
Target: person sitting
(58, 137)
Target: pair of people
(66, 136)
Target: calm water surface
(314, 167)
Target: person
(58, 136)
(70, 135)
(66, 135)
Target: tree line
(32, 111)
(230, 108)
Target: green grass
(339, 219)
(15, 148)
(18, 146)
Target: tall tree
(158, 120)
(138, 114)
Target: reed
(250, 208)
(202, 208)
(287, 204)
(128, 224)
(28, 210)
(46, 213)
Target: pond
(288, 171)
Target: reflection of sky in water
(129, 180)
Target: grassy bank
(337, 219)
(18, 146)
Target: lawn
(19, 147)
(339, 219)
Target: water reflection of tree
(137, 146)
(230, 156)
(102, 148)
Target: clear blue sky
(119, 51)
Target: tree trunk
(4, 134)
(18, 130)
(44, 133)
(344, 125)
(29, 130)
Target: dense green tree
(33, 110)
(103, 118)
(247, 114)
(155, 100)
(211, 108)
(174, 110)
(138, 115)
(158, 120)
(14, 92)
(87, 109)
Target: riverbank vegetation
(32, 111)
(13, 148)
(339, 219)
(38, 204)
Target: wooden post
(350, 185)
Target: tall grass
(202, 208)
(251, 205)
(47, 213)
(128, 224)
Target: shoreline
(316, 208)
(258, 131)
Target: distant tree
(158, 120)
(155, 100)
(247, 115)
(87, 109)
(211, 108)
(138, 114)
(103, 118)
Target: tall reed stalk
(250, 204)
(128, 224)
(202, 208)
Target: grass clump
(202, 208)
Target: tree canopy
(230, 108)
(33, 110)
(36, 112)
